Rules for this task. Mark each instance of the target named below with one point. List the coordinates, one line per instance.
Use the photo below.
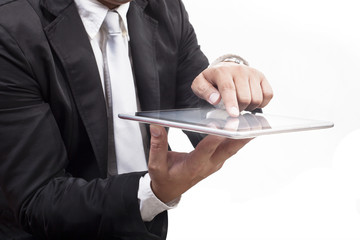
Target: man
(53, 118)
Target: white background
(289, 186)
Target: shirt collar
(93, 13)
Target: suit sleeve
(192, 62)
(46, 200)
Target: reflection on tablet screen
(216, 118)
(218, 122)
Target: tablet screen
(218, 122)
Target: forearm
(72, 208)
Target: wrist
(164, 195)
(150, 205)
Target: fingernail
(234, 111)
(214, 97)
(155, 131)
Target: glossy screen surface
(218, 122)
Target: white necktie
(129, 148)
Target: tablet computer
(217, 122)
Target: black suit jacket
(53, 138)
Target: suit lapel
(69, 40)
(143, 31)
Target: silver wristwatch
(230, 58)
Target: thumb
(158, 150)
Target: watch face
(235, 60)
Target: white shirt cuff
(150, 205)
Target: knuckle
(195, 83)
(246, 71)
(240, 68)
(227, 86)
(219, 70)
(269, 94)
(195, 170)
(230, 148)
(245, 100)
(202, 89)
(153, 167)
(256, 101)
(218, 167)
(199, 87)
(156, 145)
(256, 75)
(231, 151)
(267, 98)
(254, 71)
(261, 75)
(204, 150)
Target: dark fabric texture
(53, 137)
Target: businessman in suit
(53, 119)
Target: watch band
(230, 58)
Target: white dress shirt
(92, 14)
